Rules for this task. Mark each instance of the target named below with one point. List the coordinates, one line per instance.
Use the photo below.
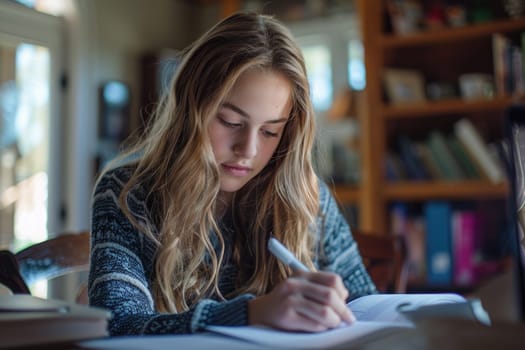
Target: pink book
(464, 227)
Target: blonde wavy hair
(182, 178)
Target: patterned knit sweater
(122, 267)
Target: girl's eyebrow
(245, 114)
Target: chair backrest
(385, 259)
(10, 273)
(58, 256)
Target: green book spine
(464, 160)
(442, 154)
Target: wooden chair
(385, 260)
(10, 275)
(58, 256)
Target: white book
(377, 315)
(469, 136)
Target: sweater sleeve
(121, 267)
(338, 249)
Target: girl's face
(248, 127)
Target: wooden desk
(456, 334)
(169, 342)
(449, 335)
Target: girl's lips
(236, 170)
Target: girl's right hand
(307, 301)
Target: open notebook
(378, 315)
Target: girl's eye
(268, 133)
(228, 124)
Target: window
(334, 57)
(356, 65)
(318, 66)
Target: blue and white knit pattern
(122, 267)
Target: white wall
(106, 40)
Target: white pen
(284, 255)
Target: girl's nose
(246, 145)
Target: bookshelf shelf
(458, 190)
(448, 35)
(444, 107)
(346, 194)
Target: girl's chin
(231, 186)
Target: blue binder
(438, 242)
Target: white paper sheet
(295, 340)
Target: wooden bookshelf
(442, 53)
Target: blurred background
(80, 77)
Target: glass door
(30, 52)
(24, 146)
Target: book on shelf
(411, 160)
(376, 314)
(432, 168)
(438, 247)
(465, 227)
(507, 59)
(521, 69)
(513, 60)
(498, 153)
(411, 226)
(476, 241)
(394, 169)
(27, 321)
(469, 167)
(479, 151)
(500, 43)
(416, 243)
(443, 156)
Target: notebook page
(384, 307)
(300, 340)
